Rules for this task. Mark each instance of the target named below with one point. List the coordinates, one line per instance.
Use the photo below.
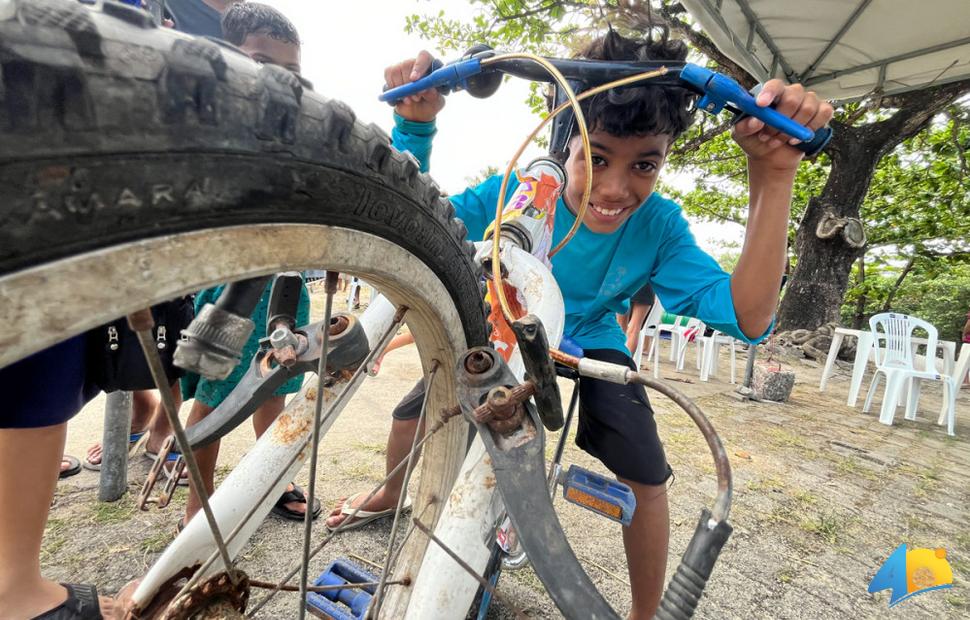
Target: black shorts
(616, 424)
(47, 388)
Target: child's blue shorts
(47, 388)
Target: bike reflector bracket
(604, 496)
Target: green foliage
(938, 291)
(917, 206)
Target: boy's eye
(645, 166)
(597, 160)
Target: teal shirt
(598, 273)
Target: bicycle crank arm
(519, 465)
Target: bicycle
(288, 162)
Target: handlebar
(717, 91)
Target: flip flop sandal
(132, 440)
(81, 604)
(72, 470)
(296, 495)
(363, 517)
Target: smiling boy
(630, 236)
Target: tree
(831, 191)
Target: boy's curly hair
(245, 18)
(638, 110)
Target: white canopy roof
(843, 49)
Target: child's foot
(69, 466)
(379, 506)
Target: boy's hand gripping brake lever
(719, 91)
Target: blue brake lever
(445, 78)
(719, 90)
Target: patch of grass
(362, 471)
(528, 579)
(851, 466)
(221, 472)
(768, 483)
(827, 526)
(914, 522)
(963, 540)
(106, 513)
(782, 438)
(805, 498)
(375, 448)
(785, 575)
(156, 543)
(955, 600)
(55, 536)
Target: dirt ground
(823, 495)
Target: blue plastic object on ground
(342, 604)
(604, 496)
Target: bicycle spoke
(446, 416)
(404, 490)
(337, 403)
(141, 323)
(331, 289)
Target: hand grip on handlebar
(445, 78)
(719, 90)
(687, 585)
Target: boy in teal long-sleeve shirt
(630, 237)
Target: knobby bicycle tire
(114, 132)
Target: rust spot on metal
(289, 428)
(478, 362)
(338, 325)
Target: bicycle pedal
(344, 603)
(604, 496)
(171, 478)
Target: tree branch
(706, 135)
(915, 110)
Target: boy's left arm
(772, 164)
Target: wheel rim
(33, 315)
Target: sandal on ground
(81, 604)
(133, 438)
(363, 517)
(296, 495)
(74, 467)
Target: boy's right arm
(414, 130)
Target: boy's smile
(625, 171)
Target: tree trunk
(860, 306)
(821, 276)
(817, 287)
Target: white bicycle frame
(467, 523)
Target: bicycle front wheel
(138, 164)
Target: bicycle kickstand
(171, 476)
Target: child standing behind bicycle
(631, 236)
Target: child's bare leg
(206, 458)
(645, 541)
(29, 463)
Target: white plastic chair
(679, 339)
(711, 346)
(649, 329)
(893, 335)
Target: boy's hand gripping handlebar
(717, 91)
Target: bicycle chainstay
(519, 464)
